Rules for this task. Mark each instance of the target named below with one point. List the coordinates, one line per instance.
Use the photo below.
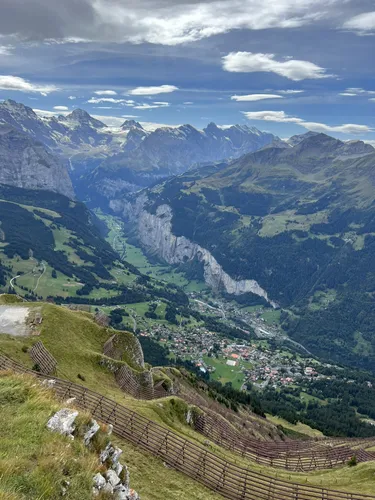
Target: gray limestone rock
(90, 433)
(99, 481)
(63, 422)
(112, 478)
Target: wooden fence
(43, 358)
(297, 456)
(222, 476)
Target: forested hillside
(301, 222)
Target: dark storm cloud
(44, 19)
(166, 22)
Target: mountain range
(97, 155)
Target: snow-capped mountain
(130, 156)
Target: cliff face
(26, 163)
(155, 234)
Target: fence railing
(308, 456)
(232, 481)
(43, 358)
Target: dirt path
(37, 283)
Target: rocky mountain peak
(212, 129)
(131, 124)
(188, 129)
(13, 108)
(81, 117)
(296, 139)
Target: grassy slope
(33, 460)
(33, 276)
(75, 340)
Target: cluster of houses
(257, 364)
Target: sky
(285, 67)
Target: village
(236, 362)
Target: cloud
(5, 50)
(282, 117)
(290, 91)
(43, 112)
(353, 91)
(167, 22)
(162, 89)
(72, 97)
(105, 92)
(347, 128)
(294, 69)
(357, 91)
(124, 102)
(61, 108)
(187, 103)
(15, 83)
(271, 116)
(154, 105)
(110, 121)
(130, 116)
(362, 24)
(255, 97)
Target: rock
(115, 456)
(49, 383)
(189, 417)
(108, 488)
(118, 468)
(95, 492)
(126, 479)
(70, 401)
(121, 492)
(99, 481)
(112, 477)
(109, 429)
(105, 453)
(63, 422)
(93, 429)
(110, 453)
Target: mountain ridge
(128, 154)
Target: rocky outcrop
(25, 163)
(113, 480)
(155, 234)
(63, 422)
